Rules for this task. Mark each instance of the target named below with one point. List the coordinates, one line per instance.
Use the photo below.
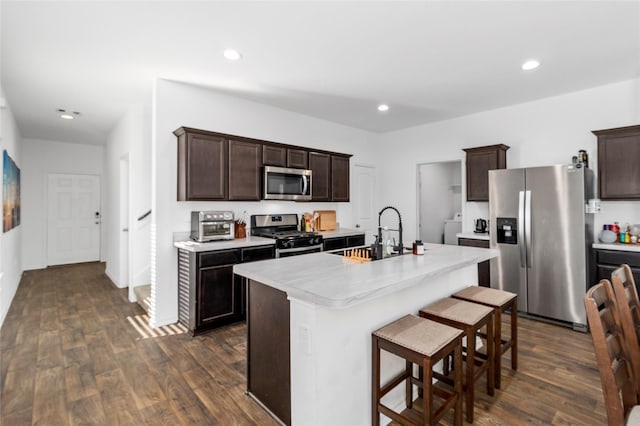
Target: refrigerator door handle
(527, 226)
(521, 236)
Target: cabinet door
(219, 297)
(334, 243)
(253, 254)
(297, 158)
(479, 161)
(355, 240)
(202, 168)
(618, 164)
(245, 162)
(274, 156)
(320, 165)
(339, 178)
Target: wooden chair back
(616, 376)
(626, 294)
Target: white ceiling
(333, 60)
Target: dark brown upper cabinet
(202, 165)
(274, 155)
(619, 163)
(216, 166)
(320, 166)
(339, 178)
(245, 164)
(297, 158)
(479, 161)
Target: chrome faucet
(379, 242)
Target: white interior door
(364, 200)
(73, 219)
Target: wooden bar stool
(500, 301)
(422, 342)
(470, 318)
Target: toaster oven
(212, 226)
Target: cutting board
(326, 220)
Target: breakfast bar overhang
(310, 320)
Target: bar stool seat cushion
(458, 310)
(487, 296)
(418, 334)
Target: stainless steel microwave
(281, 183)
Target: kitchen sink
(368, 252)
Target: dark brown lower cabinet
(209, 294)
(484, 268)
(608, 260)
(337, 243)
(268, 349)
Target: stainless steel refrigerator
(539, 225)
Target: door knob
(357, 225)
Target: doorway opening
(440, 202)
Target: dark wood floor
(68, 356)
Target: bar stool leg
(498, 346)
(457, 387)
(469, 379)
(514, 334)
(408, 386)
(427, 400)
(375, 378)
(491, 374)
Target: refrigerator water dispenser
(507, 230)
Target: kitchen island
(310, 321)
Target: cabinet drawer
(470, 242)
(254, 254)
(355, 240)
(334, 243)
(617, 258)
(218, 258)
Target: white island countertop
(325, 279)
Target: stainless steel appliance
(284, 228)
(211, 226)
(287, 184)
(544, 237)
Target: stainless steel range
(284, 228)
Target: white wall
(544, 132)
(40, 158)
(130, 137)
(178, 105)
(10, 242)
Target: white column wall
(176, 105)
(544, 132)
(131, 136)
(40, 158)
(10, 242)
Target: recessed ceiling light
(383, 107)
(68, 115)
(232, 54)
(530, 65)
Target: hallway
(69, 356)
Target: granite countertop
(473, 236)
(617, 246)
(325, 279)
(250, 241)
